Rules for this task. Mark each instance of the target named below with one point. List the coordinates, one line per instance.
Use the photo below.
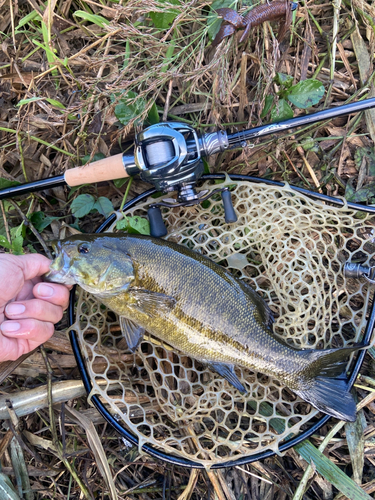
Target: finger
(26, 291)
(52, 292)
(22, 336)
(31, 265)
(35, 309)
(34, 265)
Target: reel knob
(157, 226)
(229, 212)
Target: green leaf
(55, 103)
(330, 471)
(26, 101)
(267, 105)
(153, 115)
(97, 156)
(92, 18)
(40, 220)
(349, 191)
(213, 20)
(17, 231)
(134, 225)
(104, 206)
(4, 242)
(120, 182)
(51, 58)
(306, 93)
(127, 54)
(82, 205)
(5, 183)
(31, 248)
(309, 144)
(365, 194)
(285, 81)
(50, 52)
(129, 108)
(7, 205)
(27, 19)
(163, 20)
(282, 111)
(17, 244)
(169, 53)
(369, 155)
(76, 188)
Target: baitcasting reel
(169, 156)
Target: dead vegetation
(64, 68)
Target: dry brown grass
(86, 68)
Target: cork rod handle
(98, 171)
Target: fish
(200, 309)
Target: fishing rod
(169, 155)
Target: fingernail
(45, 290)
(13, 309)
(10, 326)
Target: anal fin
(132, 332)
(227, 371)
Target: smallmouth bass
(200, 309)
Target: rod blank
(327, 114)
(30, 187)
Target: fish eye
(83, 248)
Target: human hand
(29, 308)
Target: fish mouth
(60, 270)
(63, 277)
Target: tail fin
(328, 389)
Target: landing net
(292, 250)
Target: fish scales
(200, 309)
(200, 321)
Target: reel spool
(292, 246)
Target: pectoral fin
(227, 371)
(132, 332)
(152, 303)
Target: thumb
(31, 265)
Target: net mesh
(292, 250)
